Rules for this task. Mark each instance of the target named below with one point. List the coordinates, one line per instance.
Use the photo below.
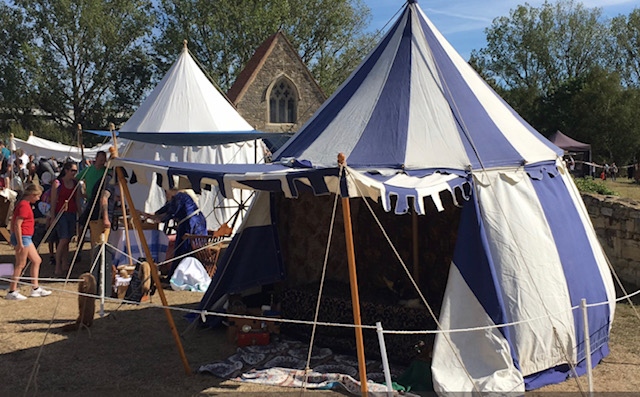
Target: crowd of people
(603, 171)
(68, 198)
(53, 190)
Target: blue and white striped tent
(414, 119)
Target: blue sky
(463, 22)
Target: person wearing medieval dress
(182, 208)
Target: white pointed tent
(186, 119)
(185, 109)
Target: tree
(15, 98)
(556, 65)
(596, 108)
(626, 47)
(328, 34)
(537, 49)
(87, 61)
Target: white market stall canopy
(44, 148)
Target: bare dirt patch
(131, 351)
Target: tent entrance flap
(386, 292)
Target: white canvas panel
(260, 212)
(477, 360)
(432, 127)
(345, 129)
(529, 270)
(526, 143)
(361, 185)
(44, 148)
(185, 101)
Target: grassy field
(624, 187)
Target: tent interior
(386, 291)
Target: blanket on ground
(282, 363)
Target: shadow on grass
(130, 351)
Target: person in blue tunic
(182, 208)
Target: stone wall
(617, 224)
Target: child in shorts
(22, 228)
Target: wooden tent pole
(154, 272)
(81, 145)
(127, 238)
(414, 229)
(353, 282)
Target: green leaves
(625, 47)
(92, 62)
(564, 67)
(223, 35)
(77, 55)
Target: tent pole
(353, 281)
(154, 272)
(127, 238)
(414, 229)
(12, 145)
(81, 145)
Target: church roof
(253, 66)
(251, 69)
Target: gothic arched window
(282, 103)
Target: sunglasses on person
(74, 170)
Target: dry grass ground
(131, 351)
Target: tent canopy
(414, 119)
(186, 109)
(45, 148)
(564, 142)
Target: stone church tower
(275, 92)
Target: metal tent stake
(353, 282)
(385, 359)
(587, 344)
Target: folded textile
(190, 275)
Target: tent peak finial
(184, 44)
(412, 1)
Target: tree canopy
(561, 65)
(68, 62)
(626, 47)
(329, 35)
(565, 67)
(82, 55)
(15, 88)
